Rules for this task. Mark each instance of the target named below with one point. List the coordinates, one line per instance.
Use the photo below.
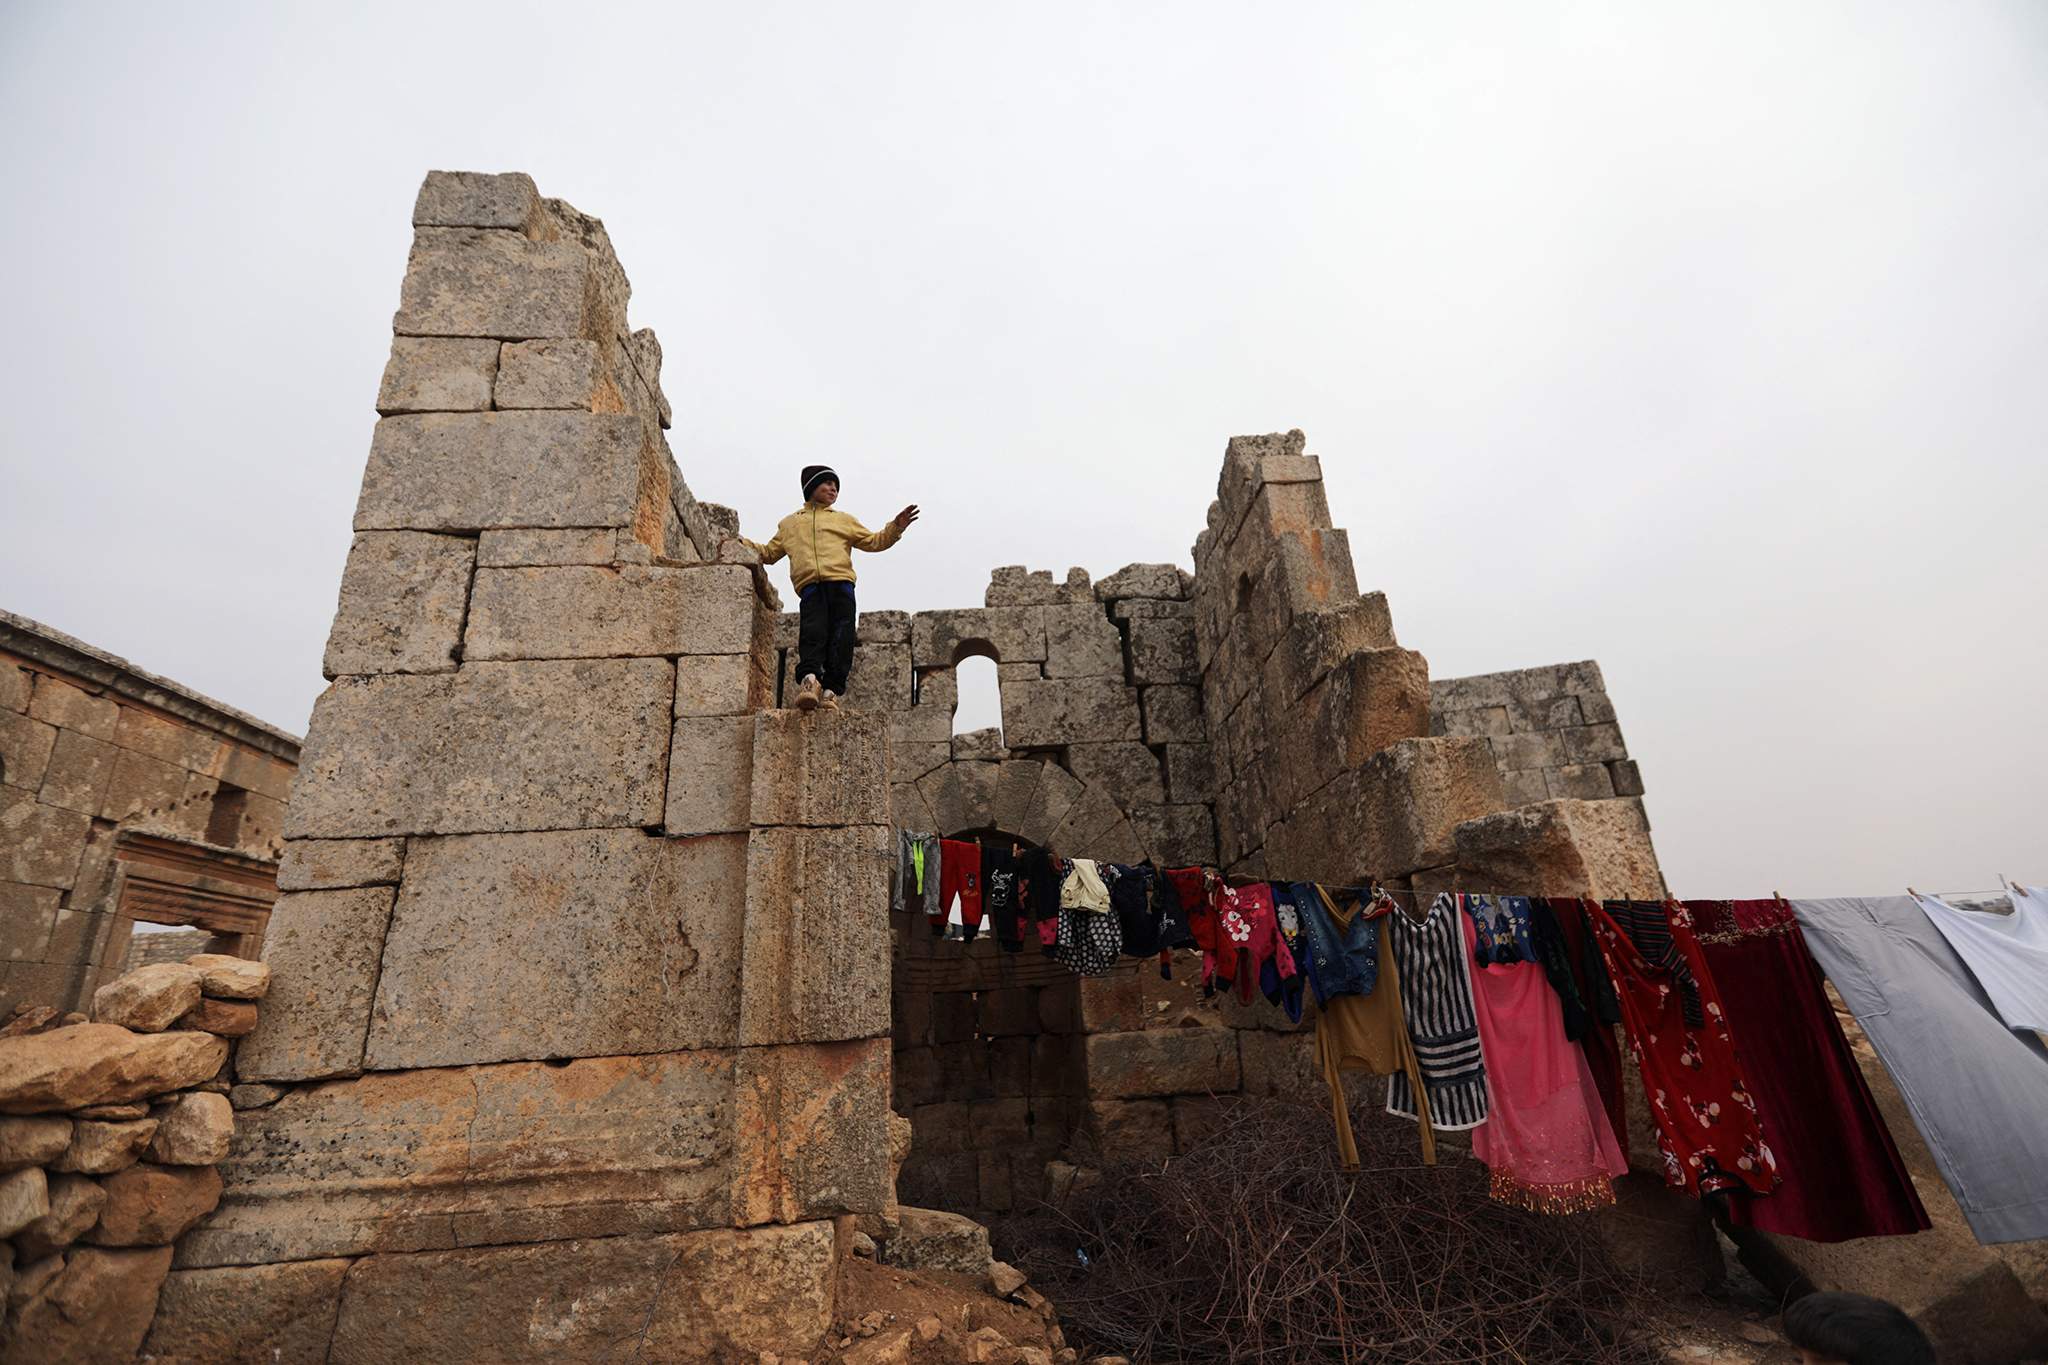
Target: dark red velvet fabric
(1602, 1048)
(1840, 1175)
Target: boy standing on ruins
(819, 542)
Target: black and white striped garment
(1649, 928)
(1436, 995)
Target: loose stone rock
(195, 1131)
(1005, 1279)
(29, 1019)
(24, 1197)
(97, 1307)
(103, 1148)
(254, 1095)
(149, 999)
(931, 1239)
(32, 1141)
(223, 1018)
(153, 1205)
(75, 1203)
(231, 978)
(112, 1113)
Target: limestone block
(1046, 712)
(1131, 1129)
(1523, 786)
(322, 864)
(726, 1294)
(79, 772)
(283, 1313)
(643, 349)
(1163, 650)
(75, 1204)
(1372, 699)
(961, 796)
(153, 1205)
(476, 199)
(1580, 781)
(1527, 751)
(710, 775)
(33, 1141)
(932, 1239)
(438, 374)
(1279, 1063)
(826, 768)
(1395, 813)
(940, 639)
(1563, 848)
(555, 373)
(930, 720)
(16, 688)
(979, 746)
(193, 1131)
(470, 282)
(142, 785)
(878, 681)
(1141, 580)
(884, 628)
(1014, 586)
(227, 1018)
(569, 944)
(1172, 715)
(1082, 642)
(584, 612)
(1626, 777)
(24, 1197)
(58, 703)
(1169, 1061)
(816, 936)
(1544, 713)
(25, 746)
(1083, 831)
(27, 915)
(478, 471)
(1480, 720)
(1057, 790)
(96, 1307)
(909, 810)
(910, 760)
(1176, 836)
(1593, 743)
(715, 685)
(1316, 641)
(323, 949)
(1016, 786)
(86, 1064)
(1190, 773)
(403, 596)
(497, 746)
(814, 1137)
(1129, 773)
(522, 548)
(101, 1148)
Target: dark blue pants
(824, 634)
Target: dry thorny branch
(1256, 1246)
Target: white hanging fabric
(2007, 953)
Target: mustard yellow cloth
(820, 542)
(1368, 1033)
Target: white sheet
(2007, 953)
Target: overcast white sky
(1708, 341)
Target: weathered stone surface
(811, 1125)
(39, 845)
(325, 864)
(1128, 773)
(940, 639)
(932, 1239)
(83, 1064)
(1626, 777)
(879, 680)
(1172, 715)
(643, 349)
(1174, 1061)
(476, 471)
(24, 1197)
(1081, 642)
(438, 374)
(148, 999)
(1540, 750)
(1056, 793)
(227, 1018)
(578, 612)
(58, 703)
(324, 948)
(1131, 1129)
(1190, 772)
(471, 282)
(884, 628)
(113, 1113)
(1563, 848)
(1016, 784)
(403, 596)
(259, 1313)
(1393, 814)
(985, 745)
(32, 1141)
(151, 1205)
(556, 373)
(820, 769)
(254, 1095)
(1142, 580)
(1162, 650)
(32, 1278)
(227, 977)
(515, 548)
(194, 1131)
(710, 775)
(961, 796)
(75, 1203)
(568, 944)
(715, 685)
(719, 1295)
(1014, 586)
(1176, 836)
(25, 746)
(909, 810)
(97, 1307)
(1524, 786)
(1580, 781)
(553, 745)
(816, 938)
(1046, 712)
(142, 785)
(101, 1148)
(80, 770)
(910, 760)
(478, 200)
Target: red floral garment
(1247, 935)
(1707, 1123)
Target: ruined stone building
(125, 798)
(588, 1012)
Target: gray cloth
(906, 895)
(1978, 1090)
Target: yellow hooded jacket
(819, 542)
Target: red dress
(1707, 1124)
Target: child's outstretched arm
(876, 541)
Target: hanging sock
(2008, 953)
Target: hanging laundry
(1706, 1119)
(1369, 1032)
(1436, 971)
(1198, 890)
(999, 897)
(917, 875)
(1130, 895)
(1546, 1137)
(1647, 928)
(1602, 1008)
(1840, 1174)
(1089, 943)
(1342, 942)
(1554, 954)
(959, 887)
(1248, 938)
(1976, 1089)
(1284, 989)
(1502, 928)
(2008, 952)
(1038, 891)
(1084, 888)
(1172, 922)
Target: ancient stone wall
(580, 998)
(1552, 731)
(123, 797)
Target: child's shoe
(807, 693)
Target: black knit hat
(815, 474)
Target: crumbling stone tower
(581, 1006)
